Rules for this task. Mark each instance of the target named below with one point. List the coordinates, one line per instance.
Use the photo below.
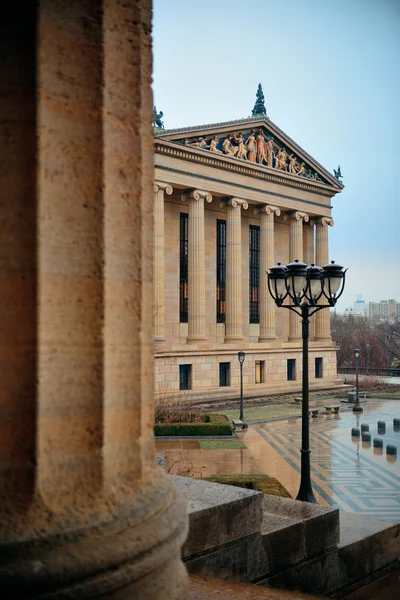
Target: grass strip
(221, 444)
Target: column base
(233, 339)
(159, 340)
(196, 340)
(114, 551)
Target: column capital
(234, 202)
(267, 209)
(297, 216)
(325, 221)
(160, 185)
(196, 195)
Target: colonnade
(301, 246)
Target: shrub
(169, 409)
(259, 483)
(367, 382)
(211, 425)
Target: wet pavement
(346, 472)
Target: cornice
(268, 193)
(235, 165)
(250, 121)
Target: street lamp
(357, 408)
(241, 357)
(303, 287)
(368, 346)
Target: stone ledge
(218, 514)
(304, 530)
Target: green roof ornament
(157, 122)
(259, 109)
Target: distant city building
(384, 310)
(350, 312)
(360, 306)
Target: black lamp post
(357, 408)
(304, 286)
(241, 357)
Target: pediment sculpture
(257, 147)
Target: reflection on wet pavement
(346, 473)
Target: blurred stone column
(296, 220)
(267, 260)
(323, 317)
(160, 189)
(309, 258)
(196, 266)
(85, 513)
(234, 310)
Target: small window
(291, 369)
(185, 377)
(319, 370)
(259, 371)
(224, 374)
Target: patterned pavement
(346, 473)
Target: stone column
(267, 260)
(322, 321)
(196, 266)
(309, 258)
(234, 311)
(160, 189)
(85, 513)
(296, 220)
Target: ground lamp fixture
(357, 408)
(241, 357)
(301, 289)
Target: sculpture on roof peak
(338, 173)
(259, 109)
(157, 118)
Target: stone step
(208, 589)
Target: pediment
(255, 141)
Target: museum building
(230, 200)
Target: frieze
(243, 167)
(256, 147)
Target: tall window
(224, 374)
(254, 274)
(291, 369)
(260, 371)
(319, 365)
(183, 268)
(221, 270)
(185, 377)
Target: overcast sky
(330, 71)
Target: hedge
(260, 483)
(217, 425)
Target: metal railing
(391, 372)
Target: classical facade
(230, 200)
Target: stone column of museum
(267, 260)
(309, 259)
(196, 266)
(85, 512)
(295, 251)
(160, 189)
(234, 311)
(322, 321)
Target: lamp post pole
(305, 491)
(357, 408)
(241, 357)
(305, 286)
